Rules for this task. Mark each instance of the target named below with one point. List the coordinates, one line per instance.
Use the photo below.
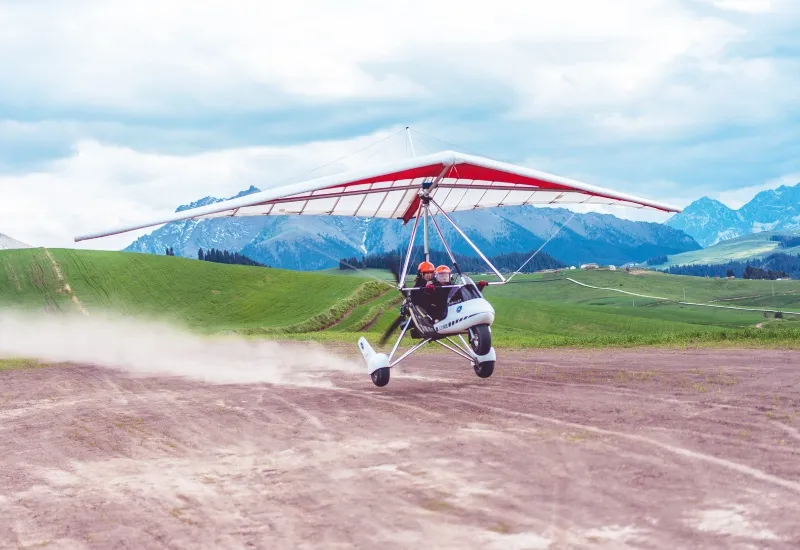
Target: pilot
(425, 275)
(425, 279)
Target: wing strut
(402, 282)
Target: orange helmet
(443, 274)
(425, 267)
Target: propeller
(395, 269)
(393, 327)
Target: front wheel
(485, 369)
(480, 339)
(380, 377)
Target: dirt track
(655, 449)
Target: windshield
(463, 293)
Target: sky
(115, 112)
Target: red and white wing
(460, 182)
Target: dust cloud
(154, 348)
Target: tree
(226, 257)
(729, 273)
(656, 260)
(506, 262)
(199, 253)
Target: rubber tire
(380, 377)
(484, 339)
(485, 369)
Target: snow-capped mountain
(318, 242)
(9, 243)
(709, 221)
(187, 236)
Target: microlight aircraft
(420, 188)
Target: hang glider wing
(456, 181)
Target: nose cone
(487, 312)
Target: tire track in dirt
(648, 396)
(624, 392)
(388, 402)
(681, 451)
(793, 432)
(301, 411)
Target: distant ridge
(9, 243)
(710, 222)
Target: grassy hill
(746, 247)
(534, 310)
(204, 296)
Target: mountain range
(709, 221)
(318, 242)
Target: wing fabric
(457, 182)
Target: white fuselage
(460, 317)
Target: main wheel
(485, 369)
(480, 339)
(380, 377)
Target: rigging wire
(339, 159)
(541, 247)
(449, 143)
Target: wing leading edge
(458, 182)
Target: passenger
(425, 279)
(443, 275)
(438, 304)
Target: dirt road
(566, 449)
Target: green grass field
(11, 364)
(583, 315)
(534, 311)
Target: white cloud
(748, 6)
(595, 58)
(736, 198)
